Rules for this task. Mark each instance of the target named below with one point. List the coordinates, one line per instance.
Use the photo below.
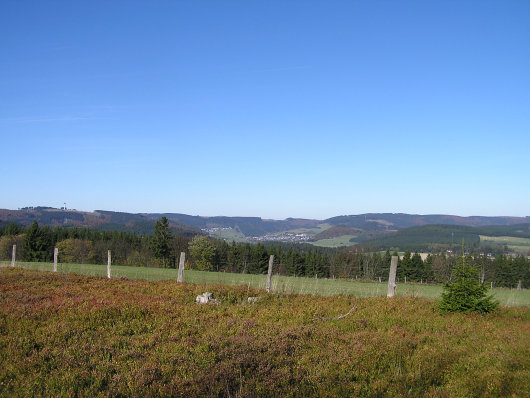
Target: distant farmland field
(280, 284)
(520, 245)
(343, 240)
(315, 230)
(229, 234)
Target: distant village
(215, 230)
(278, 237)
(283, 237)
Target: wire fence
(280, 284)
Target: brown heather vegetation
(70, 335)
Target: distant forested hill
(436, 237)
(99, 219)
(425, 238)
(364, 225)
(249, 226)
(396, 221)
(144, 222)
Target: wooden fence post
(181, 266)
(13, 255)
(392, 277)
(55, 255)
(269, 274)
(108, 264)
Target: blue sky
(273, 108)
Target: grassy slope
(337, 231)
(229, 235)
(520, 245)
(316, 230)
(64, 334)
(421, 237)
(280, 284)
(343, 240)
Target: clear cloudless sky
(266, 108)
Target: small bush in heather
(466, 294)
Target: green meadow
(279, 284)
(343, 240)
(519, 245)
(316, 230)
(229, 235)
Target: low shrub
(70, 335)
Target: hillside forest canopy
(163, 247)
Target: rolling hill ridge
(374, 230)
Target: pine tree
(161, 242)
(37, 244)
(405, 266)
(416, 268)
(202, 252)
(428, 274)
(465, 293)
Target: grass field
(280, 284)
(519, 245)
(313, 231)
(229, 235)
(343, 240)
(63, 334)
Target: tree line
(162, 248)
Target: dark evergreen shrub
(465, 293)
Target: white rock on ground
(204, 298)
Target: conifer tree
(416, 267)
(202, 252)
(160, 244)
(465, 293)
(37, 244)
(405, 266)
